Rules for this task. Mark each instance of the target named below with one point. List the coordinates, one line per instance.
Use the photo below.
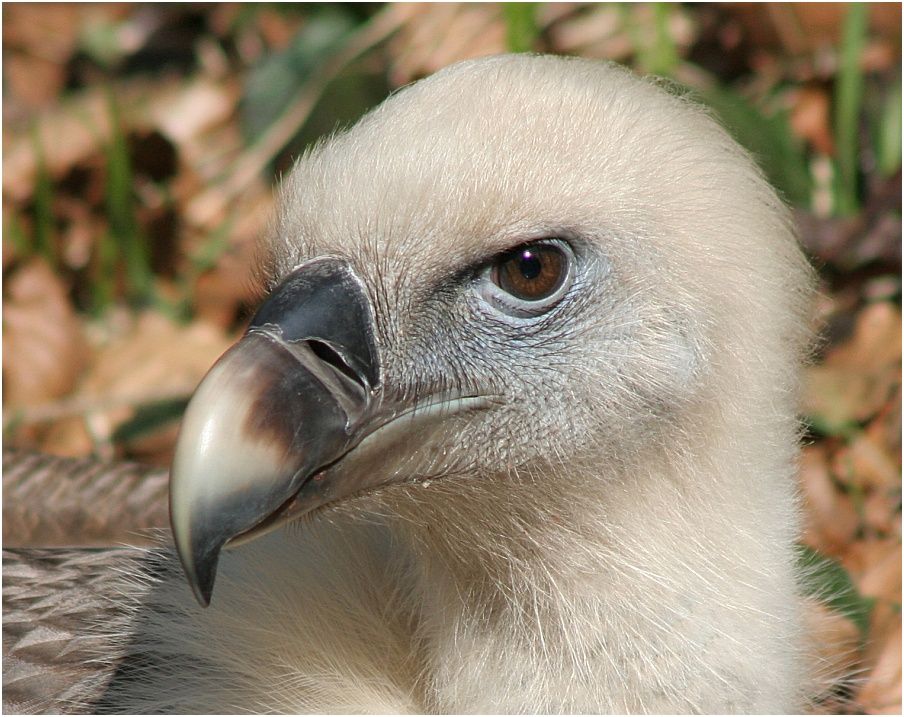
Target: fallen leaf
(875, 568)
(882, 512)
(858, 377)
(185, 111)
(811, 118)
(67, 437)
(885, 428)
(34, 81)
(830, 520)
(434, 36)
(840, 397)
(38, 41)
(154, 357)
(882, 577)
(866, 464)
(876, 343)
(140, 361)
(596, 32)
(43, 347)
(881, 689)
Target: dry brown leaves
(438, 35)
(875, 565)
(856, 379)
(38, 40)
(43, 346)
(136, 360)
(851, 484)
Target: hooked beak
(268, 434)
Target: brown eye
(532, 272)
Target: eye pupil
(531, 273)
(530, 265)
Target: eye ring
(530, 279)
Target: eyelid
(484, 265)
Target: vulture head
(524, 388)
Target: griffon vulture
(514, 430)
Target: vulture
(512, 431)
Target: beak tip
(201, 570)
(203, 593)
(202, 580)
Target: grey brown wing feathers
(50, 501)
(59, 626)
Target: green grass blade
(148, 418)
(848, 104)
(888, 132)
(521, 31)
(121, 213)
(663, 55)
(14, 234)
(103, 279)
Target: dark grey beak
(295, 416)
(293, 396)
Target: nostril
(330, 356)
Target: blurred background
(141, 143)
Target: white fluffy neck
(665, 590)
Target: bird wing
(51, 501)
(58, 620)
